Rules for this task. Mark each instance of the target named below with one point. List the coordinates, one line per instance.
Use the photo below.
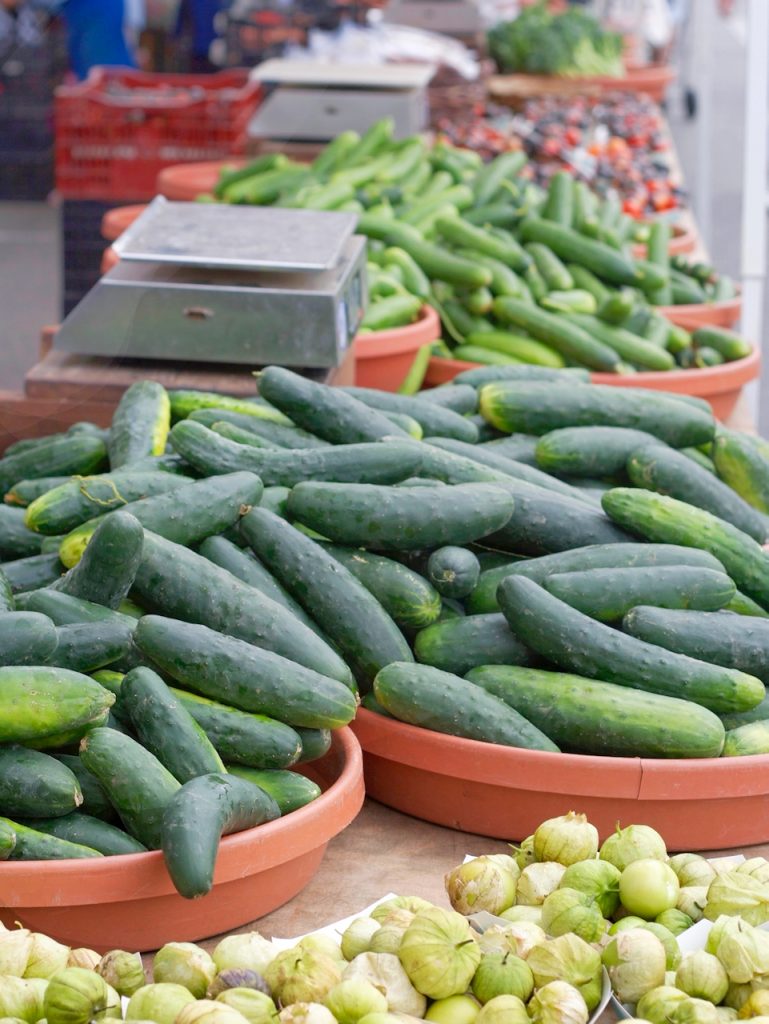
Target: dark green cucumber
(489, 374)
(7, 601)
(35, 785)
(577, 643)
(760, 713)
(315, 743)
(572, 342)
(186, 516)
(276, 434)
(63, 456)
(289, 790)
(605, 262)
(410, 600)
(247, 567)
(442, 702)
(462, 643)
(274, 499)
(183, 403)
(607, 594)
(139, 424)
(592, 717)
(95, 800)
(744, 466)
(177, 582)
(138, 785)
(453, 571)
(670, 472)
(669, 521)
(400, 519)
(590, 451)
(24, 492)
(629, 347)
(752, 738)
(516, 447)
(89, 832)
(198, 815)
(89, 646)
(348, 613)
(66, 610)
(538, 408)
(34, 845)
(460, 398)
(212, 454)
(593, 556)
(64, 507)
(30, 573)
(244, 676)
(16, 539)
(166, 728)
(435, 420)
(106, 571)
(329, 413)
(239, 434)
(26, 638)
(734, 641)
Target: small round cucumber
(453, 571)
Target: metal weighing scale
(227, 284)
(313, 100)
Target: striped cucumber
(184, 403)
(593, 717)
(590, 451)
(576, 643)
(140, 423)
(457, 645)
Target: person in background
(196, 21)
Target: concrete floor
(710, 148)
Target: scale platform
(227, 284)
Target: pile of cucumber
(517, 274)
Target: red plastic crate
(117, 130)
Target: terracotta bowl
(722, 314)
(116, 221)
(129, 902)
(682, 241)
(719, 385)
(185, 182)
(505, 792)
(383, 358)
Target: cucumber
(30, 573)
(276, 434)
(209, 506)
(7, 841)
(289, 790)
(16, 540)
(538, 408)
(734, 641)
(274, 499)
(483, 356)
(139, 424)
(35, 785)
(107, 569)
(742, 605)
(702, 460)
(747, 739)
(491, 178)
(669, 521)
(576, 643)
(138, 785)
(760, 713)
(670, 472)
(247, 567)
(453, 571)
(460, 398)
(460, 232)
(572, 247)
(488, 374)
(459, 644)
(233, 433)
(64, 507)
(400, 519)
(212, 454)
(7, 601)
(166, 728)
(592, 717)
(203, 810)
(517, 347)
(559, 205)
(89, 832)
(26, 638)
(629, 347)
(89, 646)
(95, 800)
(572, 342)
(590, 451)
(315, 743)
(744, 466)
(407, 423)
(593, 556)
(66, 610)
(730, 344)
(515, 447)
(184, 403)
(329, 413)
(247, 677)
(177, 582)
(435, 420)
(34, 845)
(607, 594)
(554, 273)
(348, 613)
(24, 492)
(63, 456)
(408, 598)
(431, 699)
